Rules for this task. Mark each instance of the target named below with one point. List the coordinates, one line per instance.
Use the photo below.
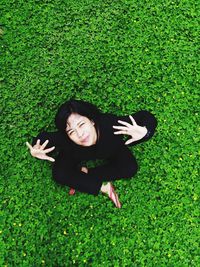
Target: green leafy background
(123, 56)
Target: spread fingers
(44, 144)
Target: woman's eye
(70, 133)
(81, 124)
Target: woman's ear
(92, 122)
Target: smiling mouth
(85, 139)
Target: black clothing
(121, 162)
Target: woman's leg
(67, 172)
(107, 189)
(122, 165)
(61, 176)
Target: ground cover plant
(123, 56)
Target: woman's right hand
(39, 151)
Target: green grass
(122, 56)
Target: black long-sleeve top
(120, 161)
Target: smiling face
(81, 130)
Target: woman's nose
(79, 133)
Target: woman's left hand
(135, 131)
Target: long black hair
(76, 106)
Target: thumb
(28, 145)
(129, 141)
(132, 120)
(50, 159)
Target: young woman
(84, 134)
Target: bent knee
(134, 168)
(131, 168)
(59, 177)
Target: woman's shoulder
(108, 117)
(107, 136)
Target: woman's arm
(46, 142)
(122, 164)
(40, 151)
(133, 129)
(54, 138)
